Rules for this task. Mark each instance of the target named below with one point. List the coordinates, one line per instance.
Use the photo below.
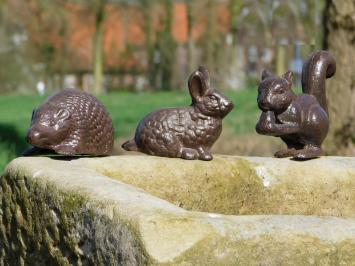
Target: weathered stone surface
(241, 185)
(85, 212)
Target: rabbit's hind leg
(204, 154)
(189, 154)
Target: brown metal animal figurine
(300, 120)
(71, 122)
(187, 132)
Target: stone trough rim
(14, 167)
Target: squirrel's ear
(265, 74)
(288, 76)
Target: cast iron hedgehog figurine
(186, 132)
(71, 122)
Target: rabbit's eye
(212, 97)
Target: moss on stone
(43, 225)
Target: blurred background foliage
(106, 45)
(136, 56)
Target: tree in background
(286, 30)
(160, 45)
(339, 39)
(98, 7)
(66, 37)
(234, 59)
(190, 10)
(12, 72)
(167, 46)
(211, 38)
(148, 13)
(41, 26)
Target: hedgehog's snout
(33, 136)
(37, 138)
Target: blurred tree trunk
(167, 47)
(234, 59)
(43, 52)
(280, 59)
(98, 57)
(211, 35)
(190, 41)
(339, 39)
(64, 49)
(2, 2)
(147, 6)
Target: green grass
(125, 108)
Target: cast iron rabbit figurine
(187, 132)
(300, 120)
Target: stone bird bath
(145, 210)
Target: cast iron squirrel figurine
(71, 122)
(186, 132)
(300, 120)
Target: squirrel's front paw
(266, 122)
(260, 128)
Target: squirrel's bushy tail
(318, 67)
(130, 145)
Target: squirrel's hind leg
(292, 147)
(308, 152)
(286, 153)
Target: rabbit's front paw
(189, 154)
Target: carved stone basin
(138, 210)
(241, 185)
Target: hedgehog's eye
(62, 114)
(51, 123)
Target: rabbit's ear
(265, 74)
(198, 83)
(205, 76)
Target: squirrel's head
(50, 125)
(275, 93)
